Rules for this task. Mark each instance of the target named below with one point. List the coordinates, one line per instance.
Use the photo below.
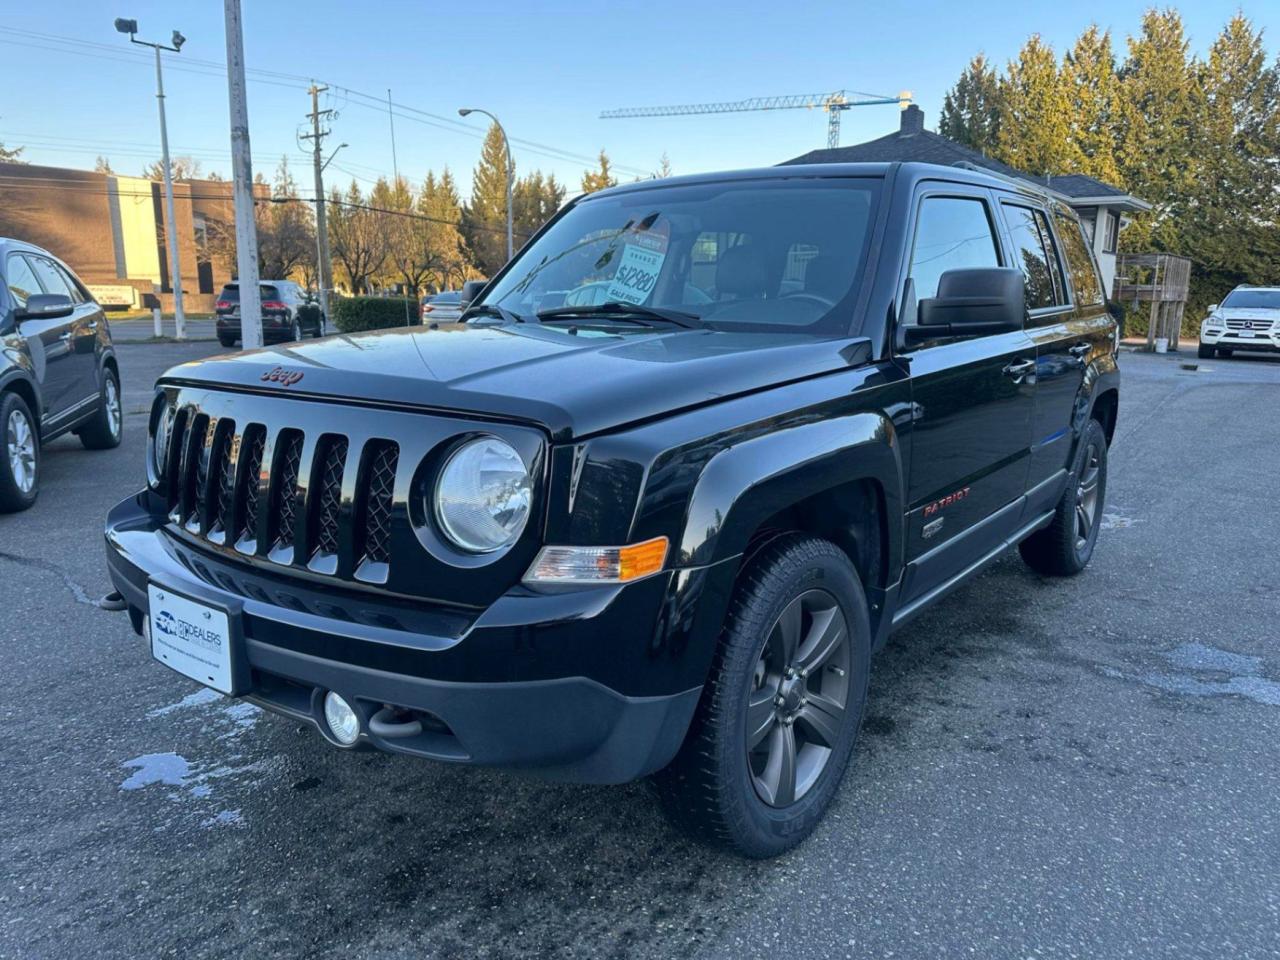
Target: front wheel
(226, 341)
(296, 333)
(778, 717)
(1205, 352)
(1225, 351)
(104, 430)
(1065, 546)
(20, 462)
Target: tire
(1225, 351)
(295, 333)
(1205, 352)
(19, 455)
(1064, 547)
(226, 341)
(104, 431)
(719, 790)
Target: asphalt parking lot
(1084, 768)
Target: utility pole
(395, 173)
(316, 136)
(242, 182)
(171, 224)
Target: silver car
(442, 307)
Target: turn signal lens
(598, 564)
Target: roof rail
(1031, 186)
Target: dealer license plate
(191, 637)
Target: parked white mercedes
(1247, 319)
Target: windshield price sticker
(638, 269)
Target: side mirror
(46, 306)
(972, 302)
(1213, 307)
(470, 290)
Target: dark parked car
(660, 532)
(442, 307)
(285, 313)
(58, 371)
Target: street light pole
(171, 225)
(510, 169)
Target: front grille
(1259, 325)
(220, 486)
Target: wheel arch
(25, 388)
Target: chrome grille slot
(175, 479)
(223, 453)
(284, 495)
(375, 498)
(195, 464)
(1260, 325)
(252, 445)
(326, 502)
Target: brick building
(111, 230)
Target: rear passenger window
(952, 233)
(1033, 250)
(1084, 276)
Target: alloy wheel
(112, 403)
(21, 445)
(799, 697)
(1087, 495)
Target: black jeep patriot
(651, 506)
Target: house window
(1110, 230)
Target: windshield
(767, 256)
(1253, 300)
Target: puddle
(1221, 673)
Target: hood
(1249, 313)
(572, 386)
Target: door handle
(1080, 350)
(65, 336)
(1020, 369)
(93, 324)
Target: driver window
(22, 282)
(952, 233)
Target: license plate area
(198, 639)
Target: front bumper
(570, 727)
(1265, 341)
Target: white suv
(1248, 319)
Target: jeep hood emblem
(286, 378)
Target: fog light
(343, 721)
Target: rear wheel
(226, 341)
(1065, 546)
(1205, 352)
(20, 463)
(104, 430)
(776, 724)
(295, 334)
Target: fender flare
(19, 375)
(1101, 376)
(745, 484)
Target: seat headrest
(740, 272)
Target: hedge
(352, 314)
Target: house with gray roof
(1104, 209)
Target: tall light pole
(510, 168)
(171, 226)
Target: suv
(1247, 319)
(658, 533)
(58, 370)
(283, 315)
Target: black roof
(924, 146)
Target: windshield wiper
(490, 310)
(622, 311)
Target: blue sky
(545, 68)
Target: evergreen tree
(1035, 132)
(102, 165)
(664, 167)
(601, 177)
(484, 218)
(1089, 72)
(971, 109)
(535, 201)
(442, 252)
(1161, 106)
(11, 154)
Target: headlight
(483, 496)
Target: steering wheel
(803, 295)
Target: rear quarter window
(1084, 275)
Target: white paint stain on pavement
(166, 768)
(199, 698)
(1116, 521)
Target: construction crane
(833, 103)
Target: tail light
(223, 305)
(427, 308)
(272, 305)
